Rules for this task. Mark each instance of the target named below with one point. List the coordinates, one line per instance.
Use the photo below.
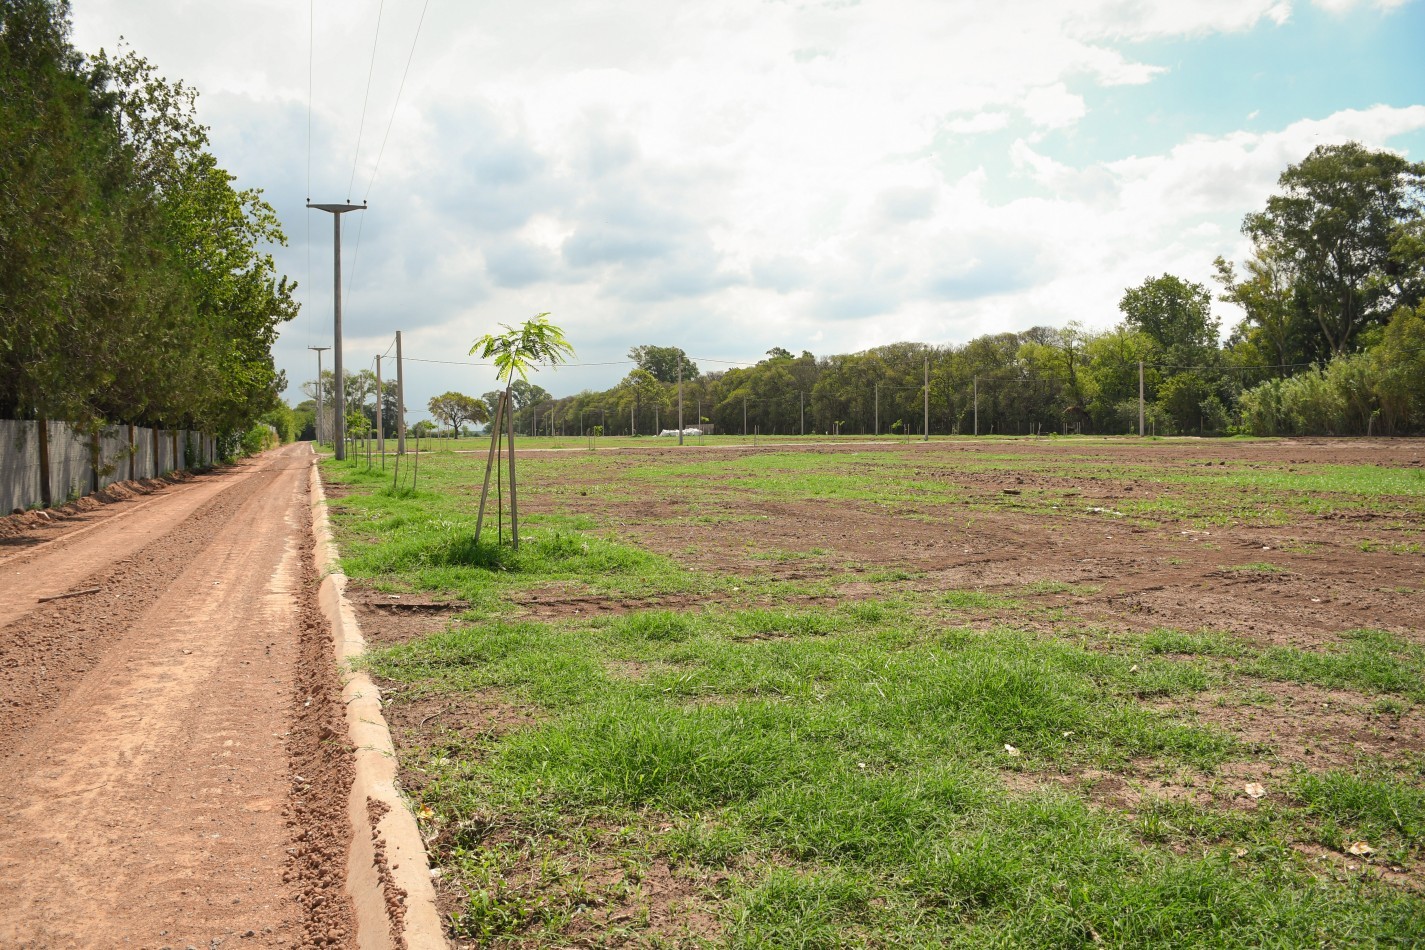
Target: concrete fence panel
(72, 459)
(70, 474)
(143, 453)
(114, 454)
(19, 465)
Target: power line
(361, 128)
(417, 359)
(311, 47)
(400, 89)
(311, 55)
(705, 359)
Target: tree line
(1331, 341)
(134, 284)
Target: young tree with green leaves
(516, 352)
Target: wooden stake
(73, 593)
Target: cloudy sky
(735, 175)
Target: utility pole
(802, 408)
(680, 399)
(380, 426)
(336, 211)
(977, 405)
(320, 350)
(400, 399)
(878, 409)
(1140, 399)
(744, 416)
(926, 425)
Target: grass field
(973, 693)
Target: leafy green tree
(517, 352)
(1273, 331)
(1399, 371)
(1176, 315)
(638, 390)
(132, 281)
(454, 409)
(1348, 221)
(662, 362)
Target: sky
(730, 176)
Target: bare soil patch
(1163, 574)
(389, 619)
(1306, 725)
(1300, 581)
(174, 771)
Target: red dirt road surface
(173, 775)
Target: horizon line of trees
(1332, 341)
(134, 282)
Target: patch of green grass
(1061, 587)
(1203, 643)
(1392, 547)
(1256, 567)
(1373, 661)
(837, 776)
(1382, 810)
(972, 600)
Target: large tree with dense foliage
(662, 362)
(1346, 226)
(455, 409)
(133, 281)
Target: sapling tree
(516, 352)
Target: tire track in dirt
(172, 741)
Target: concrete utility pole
(977, 405)
(380, 428)
(400, 399)
(336, 211)
(1140, 399)
(680, 400)
(320, 350)
(744, 416)
(926, 425)
(802, 408)
(878, 409)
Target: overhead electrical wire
(399, 90)
(311, 49)
(410, 56)
(417, 359)
(361, 127)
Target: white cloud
(1053, 106)
(979, 122)
(723, 176)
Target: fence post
(1140, 399)
(42, 429)
(94, 460)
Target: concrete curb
(387, 852)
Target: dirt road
(173, 775)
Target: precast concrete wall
(19, 465)
(70, 474)
(76, 471)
